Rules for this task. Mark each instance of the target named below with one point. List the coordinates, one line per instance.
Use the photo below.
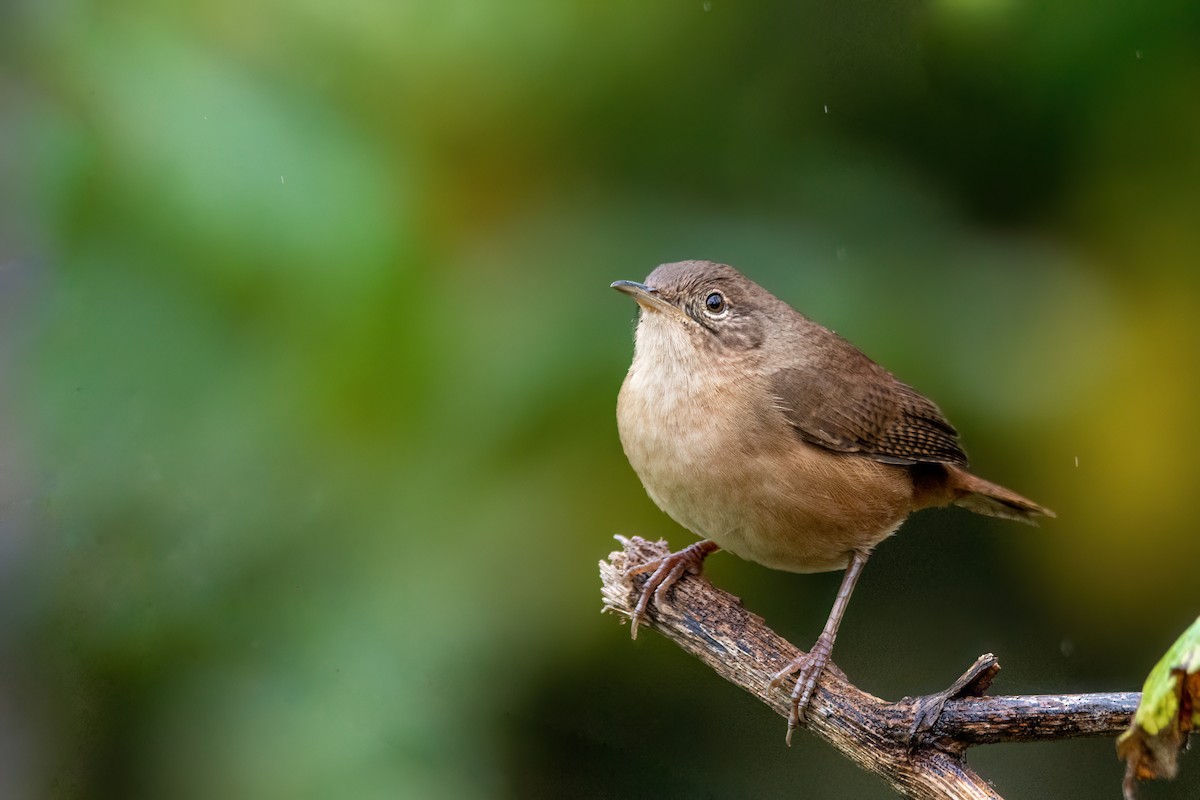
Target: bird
(769, 436)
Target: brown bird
(770, 436)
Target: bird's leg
(811, 664)
(666, 571)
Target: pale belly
(767, 498)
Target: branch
(916, 745)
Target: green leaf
(1168, 712)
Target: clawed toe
(665, 573)
(807, 669)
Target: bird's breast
(715, 455)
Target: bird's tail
(984, 497)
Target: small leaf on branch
(1168, 713)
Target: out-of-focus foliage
(307, 449)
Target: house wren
(771, 437)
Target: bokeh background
(309, 363)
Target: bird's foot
(809, 668)
(665, 572)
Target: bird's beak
(646, 297)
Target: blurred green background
(309, 363)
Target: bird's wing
(853, 405)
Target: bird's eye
(715, 303)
